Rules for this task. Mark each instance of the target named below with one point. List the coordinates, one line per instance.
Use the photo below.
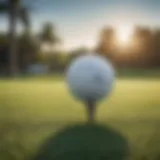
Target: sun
(123, 34)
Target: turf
(33, 109)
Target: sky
(78, 22)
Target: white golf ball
(90, 77)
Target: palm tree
(48, 35)
(15, 11)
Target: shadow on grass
(84, 142)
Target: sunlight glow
(123, 34)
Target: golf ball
(90, 77)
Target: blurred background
(39, 39)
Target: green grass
(32, 109)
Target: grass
(32, 109)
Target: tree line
(18, 51)
(143, 49)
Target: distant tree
(106, 42)
(48, 35)
(4, 53)
(143, 37)
(28, 50)
(156, 52)
(15, 11)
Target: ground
(32, 109)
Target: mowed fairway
(33, 109)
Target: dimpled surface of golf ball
(90, 77)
